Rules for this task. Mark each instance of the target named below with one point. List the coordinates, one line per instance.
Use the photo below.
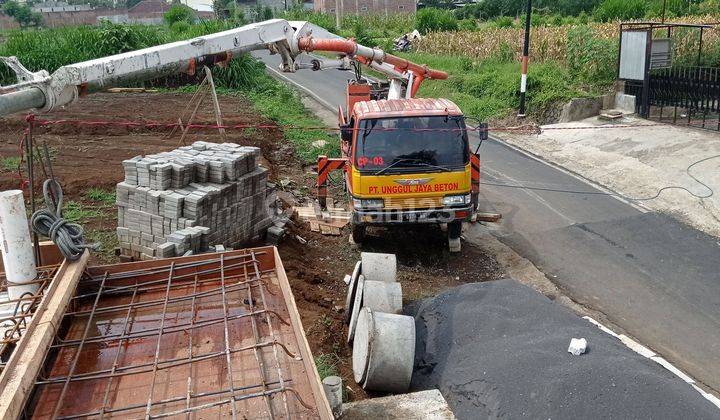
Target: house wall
(359, 7)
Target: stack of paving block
(182, 202)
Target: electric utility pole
(526, 53)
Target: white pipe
(17, 249)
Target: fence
(681, 95)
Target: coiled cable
(49, 222)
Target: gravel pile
(499, 350)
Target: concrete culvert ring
(385, 343)
(357, 306)
(379, 267)
(352, 287)
(382, 296)
(361, 345)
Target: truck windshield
(405, 144)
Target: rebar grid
(24, 309)
(241, 282)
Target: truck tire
(358, 233)
(454, 229)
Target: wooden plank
(131, 90)
(18, 377)
(488, 217)
(328, 222)
(314, 226)
(216, 104)
(321, 402)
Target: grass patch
(10, 163)
(326, 365)
(76, 212)
(100, 195)
(490, 88)
(108, 242)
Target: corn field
(553, 43)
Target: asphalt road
(651, 275)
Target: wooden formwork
(207, 336)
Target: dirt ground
(90, 156)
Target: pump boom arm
(46, 92)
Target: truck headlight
(373, 203)
(456, 200)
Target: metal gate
(680, 95)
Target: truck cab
(408, 161)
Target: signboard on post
(633, 47)
(661, 53)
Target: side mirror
(483, 131)
(346, 132)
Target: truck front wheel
(358, 233)
(454, 229)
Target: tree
(179, 13)
(610, 10)
(229, 10)
(572, 7)
(439, 4)
(435, 20)
(22, 13)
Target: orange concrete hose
(350, 47)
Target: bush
(435, 20)
(179, 13)
(707, 7)
(22, 14)
(264, 13)
(572, 7)
(611, 10)
(361, 35)
(673, 8)
(490, 9)
(323, 20)
(590, 57)
(504, 22)
(118, 38)
(467, 25)
(180, 27)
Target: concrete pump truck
(405, 160)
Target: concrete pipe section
(379, 267)
(356, 307)
(352, 287)
(382, 296)
(384, 351)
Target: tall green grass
(50, 49)
(489, 88)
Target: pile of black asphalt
(499, 350)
